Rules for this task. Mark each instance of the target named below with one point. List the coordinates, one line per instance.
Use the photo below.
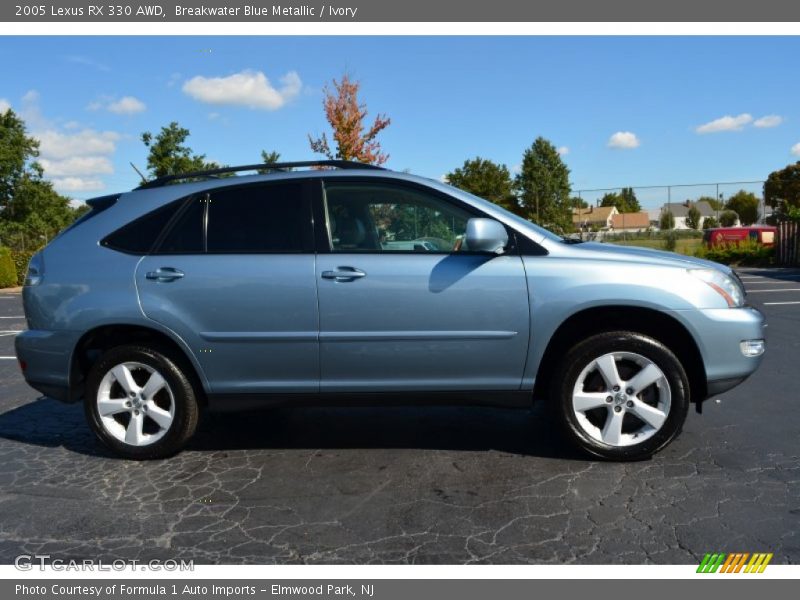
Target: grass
(686, 246)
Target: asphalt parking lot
(449, 485)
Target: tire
(641, 416)
(132, 419)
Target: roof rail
(280, 166)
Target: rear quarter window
(140, 235)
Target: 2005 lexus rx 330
(350, 283)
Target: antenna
(144, 179)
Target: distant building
(680, 210)
(598, 217)
(631, 222)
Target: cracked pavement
(408, 485)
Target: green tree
(18, 153)
(543, 186)
(710, 222)
(666, 221)
(782, 188)
(352, 138)
(693, 218)
(269, 158)
(625, 201)
(169, 154)
(727, 218)
(578, 202)
(486, 179)
(745, 204)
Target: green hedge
(8, 273)
(745, 254)
(21, 260)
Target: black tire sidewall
(622, 341)
(186, 408)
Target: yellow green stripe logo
(737, 562)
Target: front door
(404, 305)
(234, 277)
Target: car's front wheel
(140, 403)
(621, 395)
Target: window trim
(307, 240)
(323, 236)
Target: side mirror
(486, 235)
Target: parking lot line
(8, 357)
(777, 303)
(766, 291)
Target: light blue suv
(346, 283)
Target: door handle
(344, 274)
(164, 274)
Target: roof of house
(637, 220)
(681, 209)
(593, 214)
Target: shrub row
(8, 272)
(747, 253)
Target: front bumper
(719, 333)
(47, 356)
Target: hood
(645, 255)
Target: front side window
(251, 219)
(366, 217)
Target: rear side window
(186, 235)
(139, 236)
(253, 219)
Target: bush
(8, 273)
(746, 253)
(21, 259)
(670, 241)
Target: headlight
(725, 285)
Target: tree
(18, 153)
(486, 179)
(31, 211)
(543, 186)
(578, 202)
(727, 218)
(625, 201)
(346, 117)
(269, 158)
(710, 222)
(666, 221)
(745, 204)
(169, 154)
(782, 189)
(693, 218)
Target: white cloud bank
(726, 123)
(251, 89)
(624, 140)
(768, 121)
(796, 149)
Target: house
(597, 217)
(631, 222)
(680, 210)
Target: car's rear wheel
(140, 403)
(621, 395)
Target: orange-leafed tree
(352, 138)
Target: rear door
(234, 277)
(404, 305)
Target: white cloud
(625, 140)
(88, 62)
(247, 88)
(77, 165)
(4, 105)
(127, 105)
(768, 121)
(31, 96)
(563, 150)
(77, 184)
(87, 142)
(796, 149)
(726, 123)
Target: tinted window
(269, 218)
(385, 218)
(138, 236)
(186, 235)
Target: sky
(623, 111)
